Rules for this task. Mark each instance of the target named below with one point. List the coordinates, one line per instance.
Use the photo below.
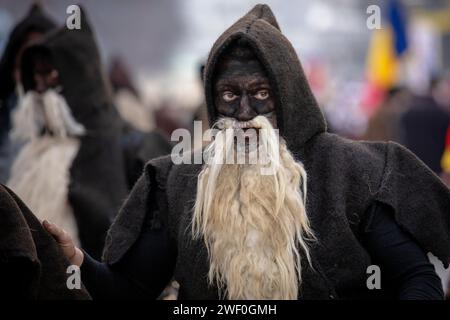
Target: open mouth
(231, 123)
(243, 125)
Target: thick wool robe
(344, 179)
(32, 264)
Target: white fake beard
(40, 174)
(254, 225)
(47, 110)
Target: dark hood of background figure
(35, 24)
(35, 21)
(75, 55)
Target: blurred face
(46, 80)
(45, 76)
(242, 91)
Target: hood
(298, 115)
(35, 20)
(75, 54)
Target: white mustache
(230, 123)
(262, 149)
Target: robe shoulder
(137, 208)
(389, 173)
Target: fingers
(65, 242)
(46, 225)
(60, 235)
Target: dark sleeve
(403, 263)
(142, 273)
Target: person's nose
(40, 84)
(245, 111)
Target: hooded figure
(32, 265)
(66, 65)
(33, 26)
(344, 179)
(296, 230)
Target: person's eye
(228, 96)
(262, 95)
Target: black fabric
(145, 270)
(98, 178)
(35, 20)
(143, 273)
(344, 179)
(406, 272)
(32, 265)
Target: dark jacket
(344, 178)
(98, 180)
(32, 265)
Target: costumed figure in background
(74, 131)
(32, 27)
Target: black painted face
(45, 75)
(242, 91)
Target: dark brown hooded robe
(344, 178)
(32, 265)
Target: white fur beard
(254, 226)
(40, 174)
(47, 110)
